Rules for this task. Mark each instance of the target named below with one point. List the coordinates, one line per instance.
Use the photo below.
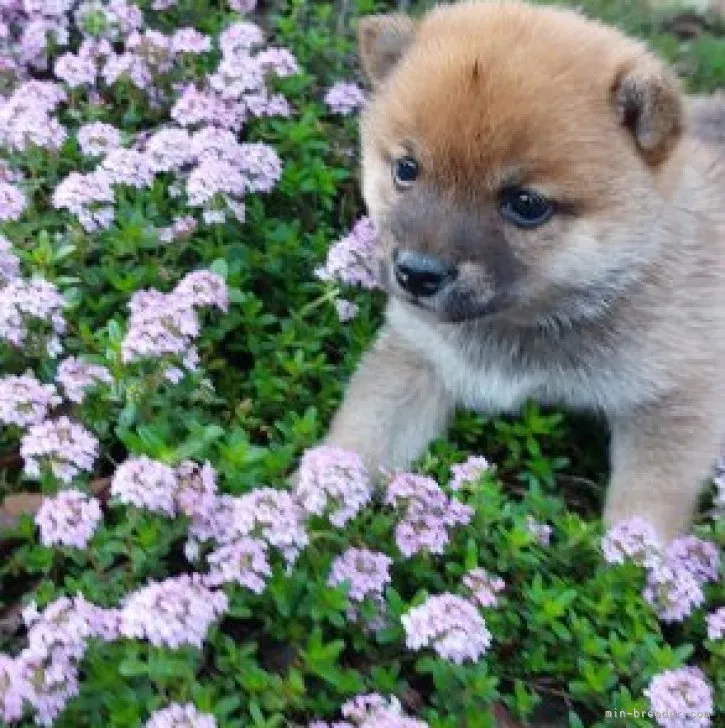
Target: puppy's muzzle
(421, 274)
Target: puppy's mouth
(454, 303)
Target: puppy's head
(512, 158)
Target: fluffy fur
(617, 304)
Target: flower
(84, 195)
(68, 519)
(172, 613)
(540, 531)
(700, 558)
(203, 288)
(15, 689)
(716, 624)
(346, 310)
(77, 376)
(9, 263)
(673, 591)
(25, 401)
(180, 229)
(243, 561)
(681, 698)
(344, 98)
(278, 61)
(468, 472)
(483, 586)
(366, 572)
(146, 483)
(633, 540)
(351, 260)
(12, 202)
(25, 304)
(63, 446)
(195, 488)
(333, 481)
(180, 716)
(190, 40)
(450, 625)
(97, 138)
(159, 325)
(240, 37)
(168, 150)
(128, 167)
(427, 513)
(76, 70)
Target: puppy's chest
(491, 374)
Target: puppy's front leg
(394, 406)
(660, 457)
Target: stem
(330, 295)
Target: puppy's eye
(525, 208)
(405, 172)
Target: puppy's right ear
(383, 39)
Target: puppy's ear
(383, 39)
(649, 102)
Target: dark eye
(405, 172)
(525, 208)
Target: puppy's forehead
(502, 91)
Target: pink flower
(96, 139)
(180, 229)
(68, 519)
(145, 483)
(278, 61)
(334, 482)
(243, 561)
(128, 167)
(61, 445)
(366, 572)
(177, 715)
(76, 70)
(346, 310)
(344, 98)
(9, 263)
(681, 698)
(716, 624)
(203, 288)
(25, 401)
(427, 514)
(168, 150)
(25, 306)
(540, 531)
(196, 488)
(12, 202)
(700, 558)
(240, 37)
(77, 376)
(172, 613)
(189, 40)
(450, 625)
(673, 591)
(483, 587)
(351, 260)
(631, 540)
(468, 472)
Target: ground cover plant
(183, 292)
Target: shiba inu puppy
(551, 212)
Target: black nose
(421, 274)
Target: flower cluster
(334, 482)
(145, 483)
(468, 472)
(716, 624)
(31, 315)
(64, 447)
(25, 401)
(174, 612)
(243, 561)
(180, 716)
(427, 514)
(68, 519)
(450, 625)
(344, 98)
(372, 711)
(166, 324)
(675, 574)
(483, 587)
(76, 377)
(366, 572)
(681, 698)
(353, 259)
(9, 263)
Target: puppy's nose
(421, 274)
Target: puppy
(552, 226)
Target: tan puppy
(549, 229)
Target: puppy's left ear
(648, 101)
